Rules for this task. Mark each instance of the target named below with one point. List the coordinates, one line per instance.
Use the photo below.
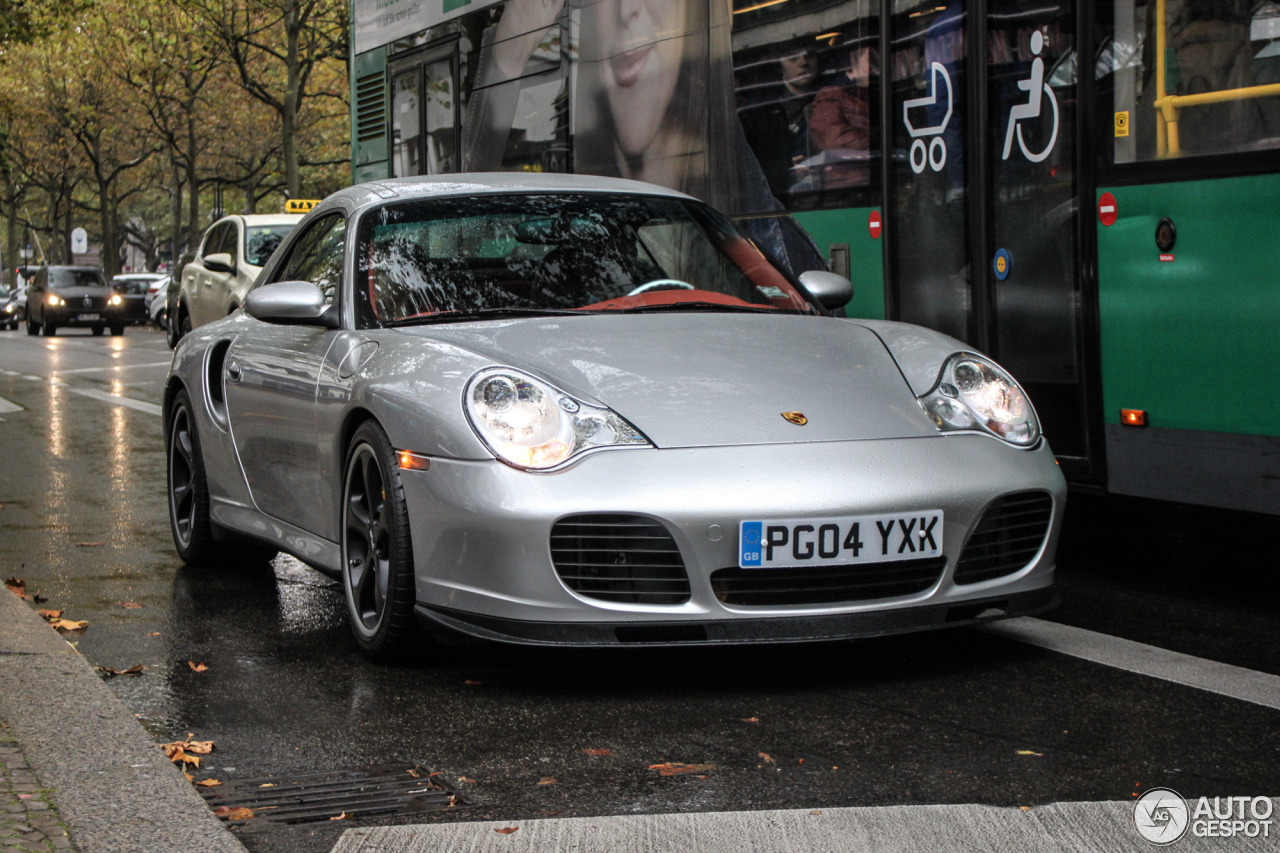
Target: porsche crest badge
(796, 418)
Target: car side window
(213, 241)
(231, 242)
(317, 256)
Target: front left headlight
(115, 299)
(532, 425)
(975, 393)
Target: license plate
(845, 540)
(86, 317)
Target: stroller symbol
(1031, 109)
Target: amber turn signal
(413, 461)
(1133, 417)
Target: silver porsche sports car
(555, 409)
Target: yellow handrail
(1169, 106)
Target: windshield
(131, 286)
(59, 278)
(559, 252)
(261, 240)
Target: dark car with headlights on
(73, 296)
(134, 289)
(12, 311)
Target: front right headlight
(532, 425)
(975, 393)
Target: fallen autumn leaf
(195, 667)
(239, 814)
(598, 751)
(768, 759)
(67, 626)
(112, 672)
(673, 768)
(131, 605)
(17, 586)
(50, 615)
(1028, 752)
(154, 634)
(471, 683)
(343, 816)
(547, 780)
(208, 783)
(506, 830)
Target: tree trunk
(193, 189)
(175, 211)
(11, 247)
(289, 117)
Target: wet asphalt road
(930, 718)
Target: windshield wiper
(704, 306)
(481, 314)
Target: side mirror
(219, 262)
(296, 303)
(832, 290)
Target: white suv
(231, 255)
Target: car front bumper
(481, 536)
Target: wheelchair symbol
(1031, 109)
(935, 155)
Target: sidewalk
(28, 820)
(91, 764)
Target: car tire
(48, 328)
(97, 331)
(187, 488)
(171, 334)
(377, 552)
(32, 328)
(117, 331)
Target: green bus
(1086, 190)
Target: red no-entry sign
(873, 224)
(1107, 209)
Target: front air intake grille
(1008, 537)
(622, 558)
(827, 584)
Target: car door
(218, 284)
(194, 278)
(272, 371)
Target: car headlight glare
(55, 301)
(530, 424)
(8, 309)
(975, 393)
(115, 299)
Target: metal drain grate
(308, 797)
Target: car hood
(710, 379)
(69, 293)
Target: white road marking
(116, 399)
(6, 406)
(1224, 679)
(112, 367)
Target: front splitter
(448, 624)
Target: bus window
(809, 103)
(517, 110)
(1216, 56)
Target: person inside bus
(843, 119)
(775, 113)
(651, 73)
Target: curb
(112, 785)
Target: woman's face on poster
(642, 49)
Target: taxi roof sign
(300, 205)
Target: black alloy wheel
(188, 489)
(377, 554)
